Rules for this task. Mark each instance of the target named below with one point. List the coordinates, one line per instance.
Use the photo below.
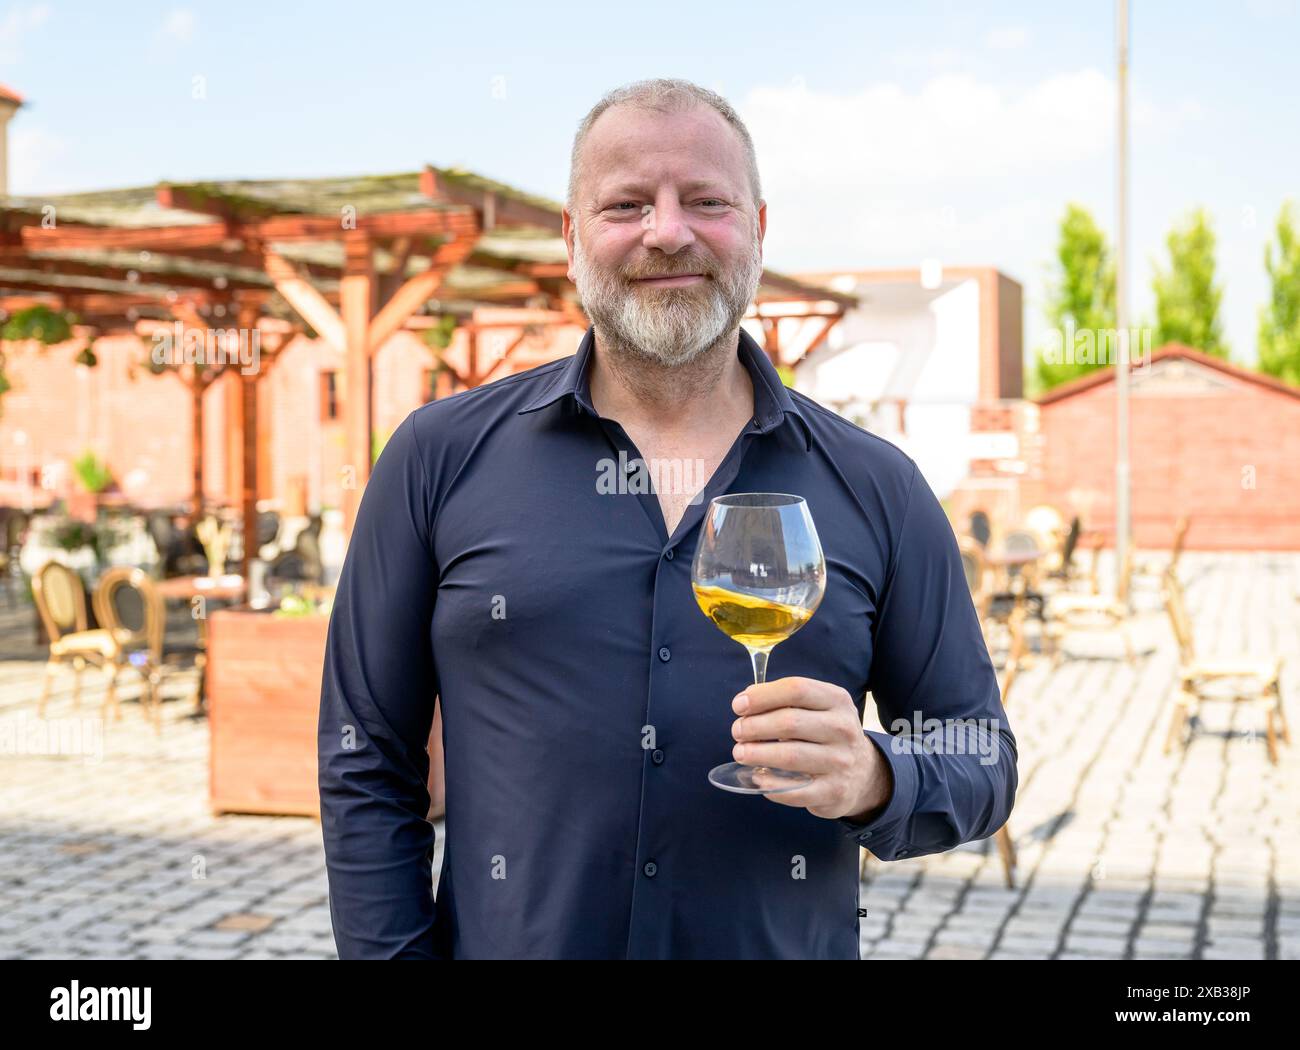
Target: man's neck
(671, 398)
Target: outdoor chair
(1150, 569)
(1011, 668)
(13, 524)
(127, 602)
(1069, 613)
(1066, 571)
(972, 562)
(1252, 680)
(61, 604)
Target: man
(584, 695)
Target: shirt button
(669, 554)
(665, 654)
(865, 835)
(657, 757)
(650, 869)
(901, 853)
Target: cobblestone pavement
(1124, 852)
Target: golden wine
(755, 622)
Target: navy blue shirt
(585, 696)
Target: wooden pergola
(353, 260)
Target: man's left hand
(806, 726)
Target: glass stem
(758, 657)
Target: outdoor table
(1010, 563)
(224, 588)
(227, 588)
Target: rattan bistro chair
(128, 602)
(1010, 672)
(1256, 680)
(1069, 613)
(61, 604)
(1155, 569)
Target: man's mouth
(670, 280)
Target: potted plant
(94, 477)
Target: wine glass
(759, 575)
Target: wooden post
(233, 396)
(248, 383)
(357, 307)
(196, 435)
(771, 339)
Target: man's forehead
(628, 143)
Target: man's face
(666, 244)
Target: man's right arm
(376, 708)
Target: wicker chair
(1156, 569)
(1256, 680)
(127, 602)
(1070, 613)
(1010, 672)
(61, 604)
(13, 524)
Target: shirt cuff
(876, 834)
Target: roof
(8, 94)
(949, 274)
(1170, 350)
(520, 242)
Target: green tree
(1187, 298)
(1080, 298)
(1279, 321)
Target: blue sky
(885, 136)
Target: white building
(913, 361)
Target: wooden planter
(263, 690)
(263, 694)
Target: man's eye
(624, 205)
(713, 202)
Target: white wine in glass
(759, 575)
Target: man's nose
(667, 226)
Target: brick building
(1209, 439)
(140, 423)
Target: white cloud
(955, 127)
(1008, 38)
(15, 26)
(961, 169)
(928, 60)
(179, 25)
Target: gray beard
(666, 326)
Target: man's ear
(566, 227)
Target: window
(329, 396)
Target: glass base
(756, 780)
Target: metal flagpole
(1122, 475)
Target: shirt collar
(772, 400)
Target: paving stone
(1114, 838)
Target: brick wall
(140, 423)
(1224, 449)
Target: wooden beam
(499, 210)
(443, 222)
(357, 303)
(400, 250)
(153, 238)
(306, 299)
(416, 291)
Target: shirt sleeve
(948, 742)
(377, 698)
